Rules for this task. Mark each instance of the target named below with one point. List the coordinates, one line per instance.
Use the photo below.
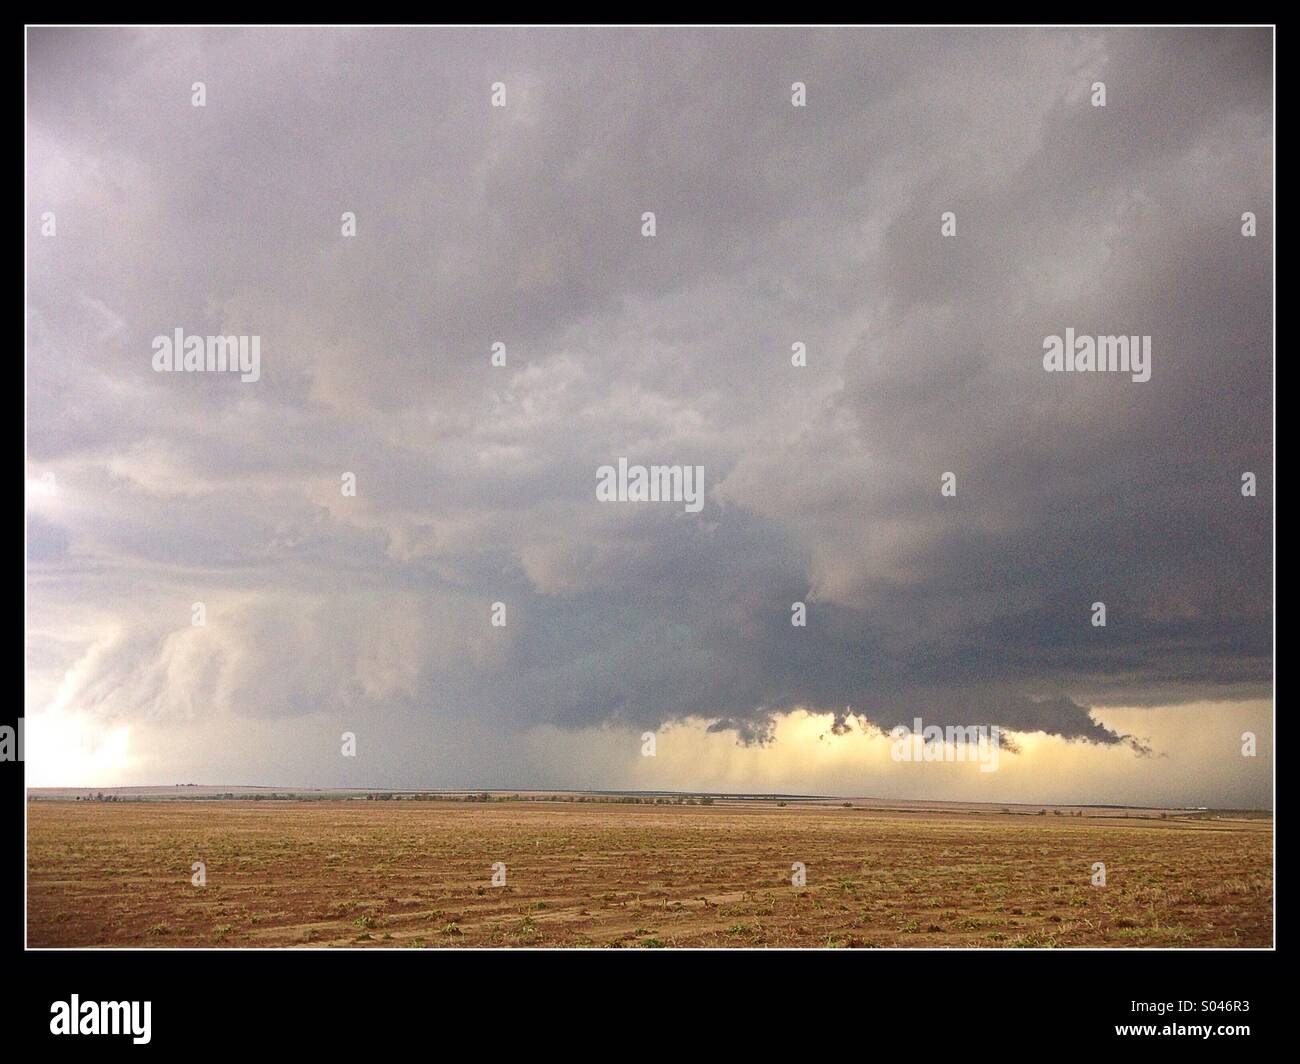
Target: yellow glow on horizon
(1195, 752)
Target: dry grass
(418, 874)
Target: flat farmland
(419, 875)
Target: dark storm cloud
(476, 484)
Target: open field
(417, 874)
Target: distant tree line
(484, 796)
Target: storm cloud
(522, 224)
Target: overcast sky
(149, 492)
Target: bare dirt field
(418, 874)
